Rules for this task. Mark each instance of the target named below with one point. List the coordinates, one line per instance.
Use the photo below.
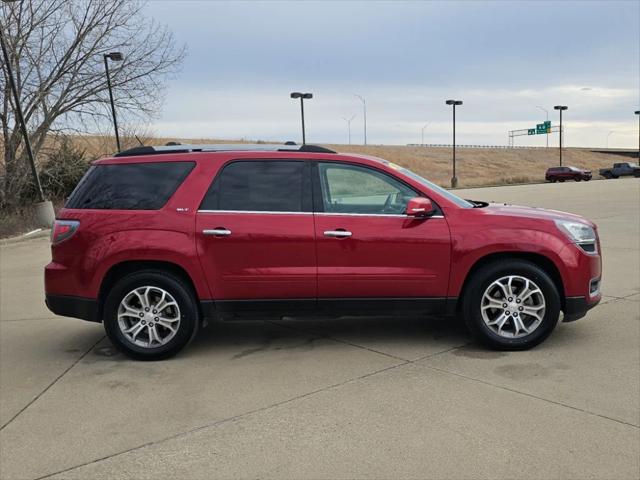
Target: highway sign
(531, 131)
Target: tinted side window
(260, 185)
(353, 189)
(135, 186)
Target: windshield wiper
(477, 204)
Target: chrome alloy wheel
(513, 306)
(148, 317)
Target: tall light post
(608, 135)
(116, 57)
(561, 108)
(547, 113)
(637, 112)
(422, 134)
(364, 111)
(302, 97)
(454, 103)
(349, 120)
(44, 208)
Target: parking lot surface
(340, 398)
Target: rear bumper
(577, 307)
(76, 307)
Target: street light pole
(547, 113)
(349, 120)
(637, 112)
(116, 57)
(454, 179)
(608, 135)
(364, 109)
(422, 134)
(302, 97)
(561, 108)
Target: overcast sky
(501, 58)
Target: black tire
(577, 178)
(561, 180)
(587, 179)
(177, 288)
(614, 176)
(483, 278)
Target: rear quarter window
(133, 186)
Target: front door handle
(218, 232)
(337, 233)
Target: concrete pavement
(343, 398)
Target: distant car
(621, 170)
(560, 174)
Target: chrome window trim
(333, 214)
(266, 212)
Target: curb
(38, 233)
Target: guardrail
(445, 145)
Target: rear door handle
(337, 233)
(218, 232)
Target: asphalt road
(346, 398)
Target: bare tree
(57, 49)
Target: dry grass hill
(475, 166)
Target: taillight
(63, 230)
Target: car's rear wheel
(150, 315)
(511, 305)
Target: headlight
(579, 233)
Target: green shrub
(62, 170)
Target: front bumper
(76, 307)
(577, 307)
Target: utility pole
(302, 97)
(637, 112)
(561, 108)
(18, 111)
(364, 109)
(454, 103)
(43, 208)
(349, 120)
(422, 134)
(116, 57)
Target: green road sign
(541, 128)
(547, 123)
(531, 131)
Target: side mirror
(419, 207)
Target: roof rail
(239, 147)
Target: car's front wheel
(511, 305)
(150, 315)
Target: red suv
(560, 174)
(156, 240)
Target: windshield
(445, 193)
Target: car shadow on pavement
(389, 335)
